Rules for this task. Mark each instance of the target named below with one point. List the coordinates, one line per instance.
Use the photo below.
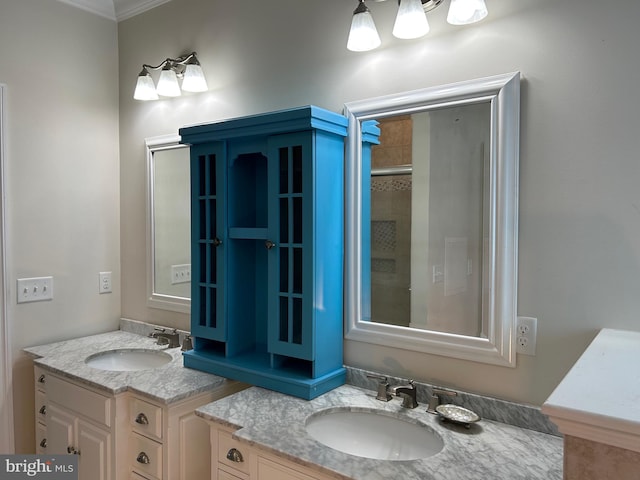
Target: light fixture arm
(178, 65)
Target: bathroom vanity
(261, 434)
(123, 424)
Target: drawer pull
(41, 379)
(235, 456)
(142, 419)
(73, 451)
(43, 410)
(43, 443)
(143, 458)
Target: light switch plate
(180, 273)
(36, 289)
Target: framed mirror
(432, 220)
(168, 224)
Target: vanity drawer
(40, 378)
(41, 406)
(224, 475)
(146, 455)
(81, 400)
(146, 418)
(41, 438)
(227, 447)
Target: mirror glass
(426, 263)
(168, 224)
(432, 181)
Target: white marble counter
(488, 450)
(166, 384)
(599, 399)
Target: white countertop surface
(599, 399)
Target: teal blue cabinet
(267, 249)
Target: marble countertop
(166, 384)
(275, 423)
(599, 398)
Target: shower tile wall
(391, 225)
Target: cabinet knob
(41, 379)
(43, 410)
(235, 456)
(43, 443)
(73, 451)
(269, 244)
(142, 419)
(143, 458)
(217, 242)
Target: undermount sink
(374, 435)
(128, 360)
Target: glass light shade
(464, 12)
(145, 89)
(411, 21)
(193, 80)
(363, 35)
(168, 84)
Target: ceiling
(115, 9)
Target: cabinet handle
(43, 443)
(269, 244)
(143, 458)
(73, 451)
(43, 410)
(235, 456)
(142, 419)
(217, 242)
(41, 379)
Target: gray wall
(579, 198)
(60, 66)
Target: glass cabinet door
(207, 237)
(290, 223)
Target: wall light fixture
(411, 20)
(186, 68)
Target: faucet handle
(187, 343)
(383, 388)
(434, 400)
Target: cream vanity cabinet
(124, 436)
(233, 460)
(73, 419)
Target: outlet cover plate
(526, 333)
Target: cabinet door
(60, 430)
(94, 446)
(290, 256)
(207, 241)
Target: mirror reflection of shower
(428, 214)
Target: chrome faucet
(170, 339)
(407, 393)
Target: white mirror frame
(154, 299)
(503, 91)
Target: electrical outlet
(105, 282)
(526, 332)
(180, 273)
(35, 289)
